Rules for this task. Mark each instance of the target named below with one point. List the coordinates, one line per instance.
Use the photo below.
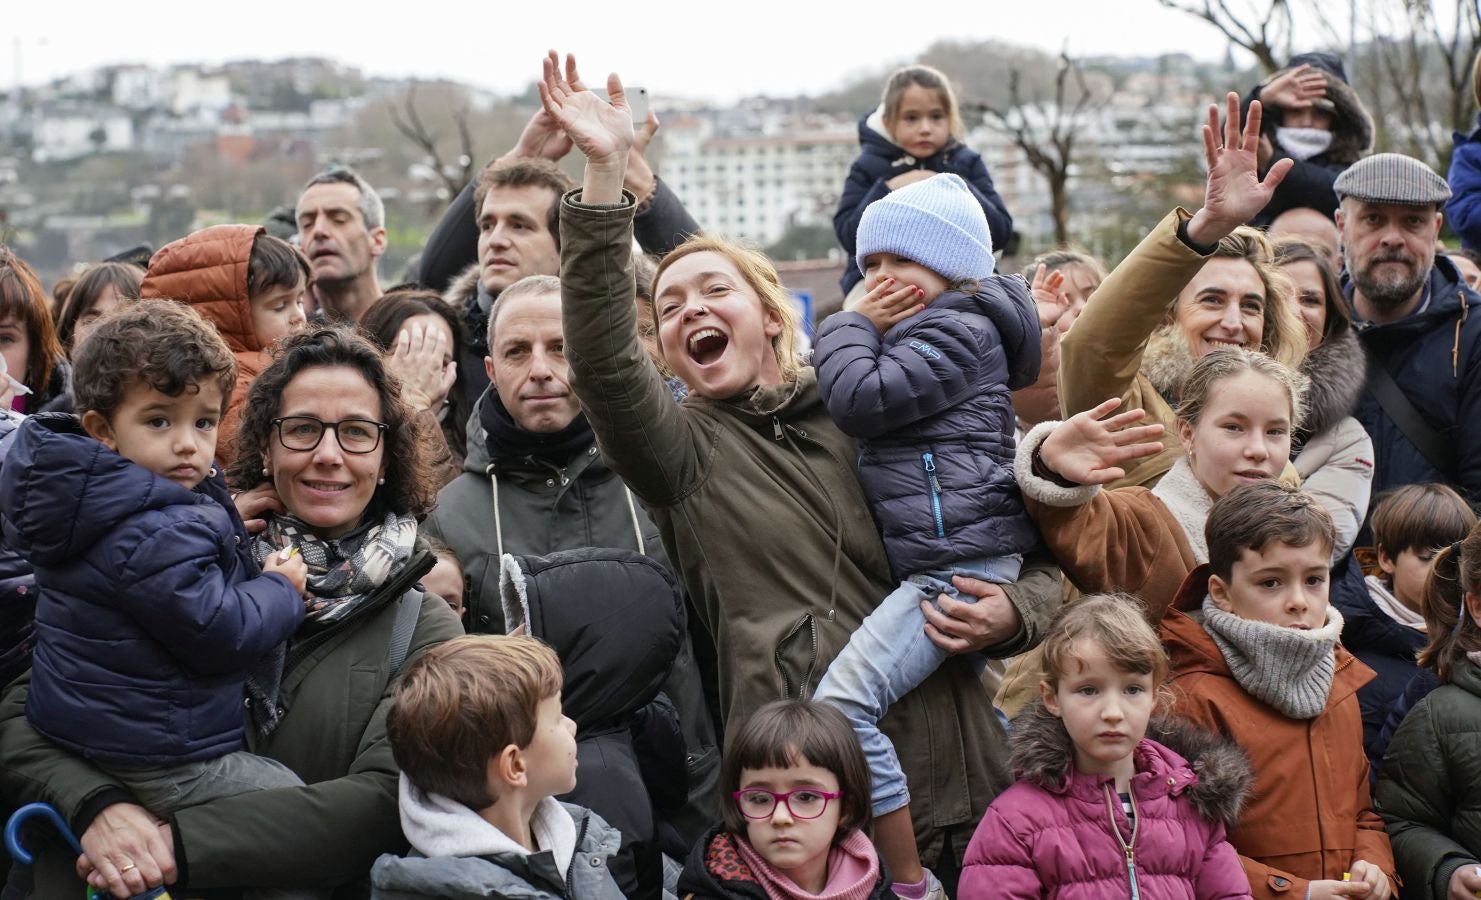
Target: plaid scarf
(345, 571)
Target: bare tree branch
(1046, 133)
(409, 123)
(1263, 36)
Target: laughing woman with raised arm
(753, 487)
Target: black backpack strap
(407, 612)
(1439, 452)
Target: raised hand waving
(1234, 192)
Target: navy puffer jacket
(1434, 356)
(881, 159)
(1390, 649)
(148, 612)
(930, 402)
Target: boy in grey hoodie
(477, 729)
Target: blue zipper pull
(928, 461)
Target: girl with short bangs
(795, 794)
(99, 289)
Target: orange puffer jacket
(208, 270)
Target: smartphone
(637, 101)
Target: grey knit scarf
(1288, 668)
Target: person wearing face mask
(1315, 118)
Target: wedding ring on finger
(127, 868)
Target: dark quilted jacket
(881, 159)
(930, 402)
(148, 613)
(1434, 356)
(1382, 644)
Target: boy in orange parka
(1253, 645)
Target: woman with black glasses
(332, 460)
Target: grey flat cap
(1392, 178)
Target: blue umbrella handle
(29, 811)
(49, 812)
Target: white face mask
(1303, 143)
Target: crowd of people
(566, 568)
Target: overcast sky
(693, 47)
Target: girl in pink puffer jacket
(1099, 810)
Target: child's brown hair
(930, 78)
(159, 343)
(461, 703)
(1252, 515)
(1118, 622)
(1455, 575)
(1420, 518)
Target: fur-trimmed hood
(1336, 370)
(1167, 361)
(463, 289)
(1213, 772)
(1352, 126)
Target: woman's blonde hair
(1283, 337)
(934, 79)
(1222, 364)
(762, 277)
(1118, 623)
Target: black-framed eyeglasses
(804, 803)
(305, 433)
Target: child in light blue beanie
(921, 371)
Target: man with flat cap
(1419, 323)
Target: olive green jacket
(1429, 789)
(335, 693)
(758, 502)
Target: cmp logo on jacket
(925, 350)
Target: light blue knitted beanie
(937, 223)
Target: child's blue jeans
(888, 657)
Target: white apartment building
(757, 186)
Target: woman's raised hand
(1235, 192)
(417, 360)
(601, 130)
(1089, 449)
(1296, 88)
(1049, 296)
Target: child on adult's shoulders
(477, 730)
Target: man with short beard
(1419, 323)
